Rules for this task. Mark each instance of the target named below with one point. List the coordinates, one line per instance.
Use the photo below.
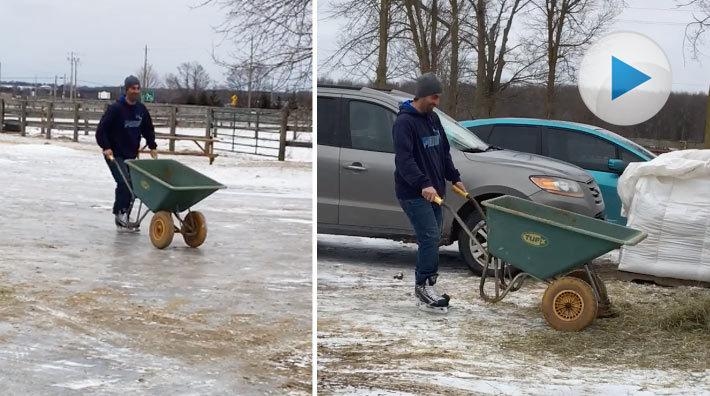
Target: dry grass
(693, 315)
(6, 293)
(657, 328)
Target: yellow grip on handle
(438, 200)
(459, 191)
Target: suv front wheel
(471, 254)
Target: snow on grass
(373, 340)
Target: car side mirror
(617, 165)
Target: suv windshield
(460, 137)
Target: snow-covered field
(372, 340)
(84, 309)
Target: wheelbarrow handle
(120, 172)
(439, 201)
(460, 191)
(468, 196)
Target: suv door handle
(356, 166)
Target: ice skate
(428, 299)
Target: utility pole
(54, 88)
(73, 61)
(144, 82)
(251, 72)
(76, 64)
(64, 85)
(71, 76)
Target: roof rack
(357, 87)
(340, 86)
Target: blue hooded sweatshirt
(422, 157)
(122, 126)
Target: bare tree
(696, 30)
(152, 79)
(191, 76)
(383, 21)
(367, 39)
(452, 94)
(489, 35)
(249, 77)
(562, 30)
(281, 33)
(426, 33)
(695, 33)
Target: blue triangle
(624, 77)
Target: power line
(653, 22)
(664, 9)
(27, 78)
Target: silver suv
(356, 173)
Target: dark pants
(426, 219)
(124, 198)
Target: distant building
(104, 95)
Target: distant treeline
(681, 119)
(207, 97)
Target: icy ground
(372, 340)
(84, 309)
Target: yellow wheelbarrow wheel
(604, 309)
(569, 304)
(162, 229)
(194, 229)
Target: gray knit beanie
(427, 84)
(131, 81)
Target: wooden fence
(261, 132)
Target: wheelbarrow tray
(545, 241)
(165, 184)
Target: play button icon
(625, 78)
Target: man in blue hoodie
(119, 135)
(422, 166)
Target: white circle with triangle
(625, 78)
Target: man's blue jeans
(123, 199)
(426, 219)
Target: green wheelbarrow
(168, 188)
(530, 240)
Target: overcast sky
(36, 37)
(658, 19)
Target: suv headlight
(558, 185)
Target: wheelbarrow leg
(501, 287)
(605, 310)
(593, 282)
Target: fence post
(2, 114)
(50, 115)
(283, 131)
(208, 134)
(296, 124)
(256, 133)
(76, 121)
(173, 124)
(209, 117)
(23, 118)
(42, 120)
(234, 126)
